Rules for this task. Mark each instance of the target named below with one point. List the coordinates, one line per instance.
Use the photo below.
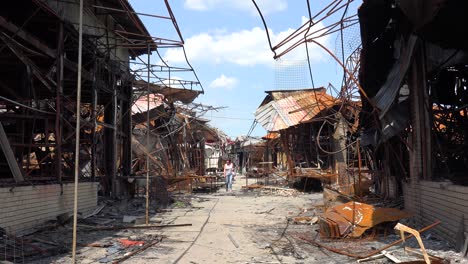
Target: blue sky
(227, 46)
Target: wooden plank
(8, 152)
(416, 234)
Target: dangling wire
(252, 127)
(307, 47)
(264, 25)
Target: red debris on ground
(131, 243)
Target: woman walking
(228, 173)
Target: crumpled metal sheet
(395, 121)
(352, 219)
(283, 109)
(389, 90)
(420, 12)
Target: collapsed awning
(171, 94)
(286, 108)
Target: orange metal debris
(353, 219)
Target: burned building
(38, 103)
(414, 119)
(310, 124)
(408, 67)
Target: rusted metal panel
(353, 219)
(141, 105)
(290, 108)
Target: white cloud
(224, 82)
(245, 47)
(266, 6)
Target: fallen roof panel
(185, 96)
(290, 108)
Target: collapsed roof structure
(309, 124)
(39, 44)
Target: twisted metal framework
(336, 19)
(107, 80)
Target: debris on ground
(352, 219)
(290, 233)
(131, 243)
(305, 220)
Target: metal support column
(58, 105)
(126, 129)
(94, 116)
(109, 150)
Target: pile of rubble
(369, 233)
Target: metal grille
(292, 74)
(11, 248)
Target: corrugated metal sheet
(290, 108)
(389, 90)
(171, 94)
(141, 105)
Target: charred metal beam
(28, 62)
(9, 89)
(9, 116)
(10, 157)
(58, 103)
(126, 124)
(27, 37)
(36, 43)
(94, 115)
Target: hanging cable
(307, 47)
(252, 127)
(265, 26)
(328, 152)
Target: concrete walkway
(238, 227)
